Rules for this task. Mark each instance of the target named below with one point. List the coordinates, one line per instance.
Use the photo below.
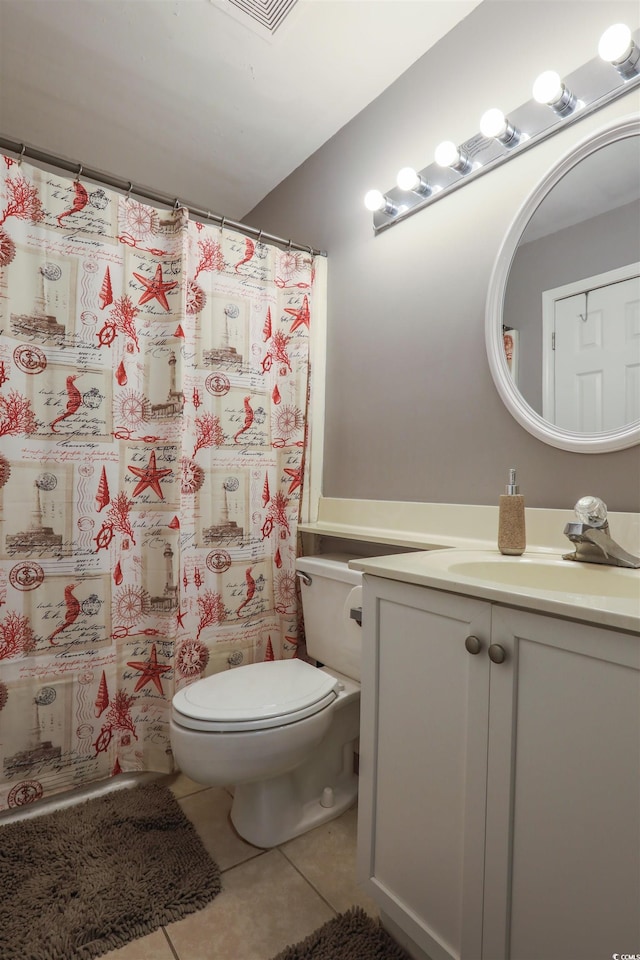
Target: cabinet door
(562, 874)
(423, 755)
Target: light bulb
(615, 43)
(447, 154)
(493, 123)
(374, 200)
(617, 47)
(408, 179)
(548, 87)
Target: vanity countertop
(540, 581)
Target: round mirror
(563, 311)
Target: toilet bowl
(283, 733)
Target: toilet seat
(255, 697)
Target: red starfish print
(149, 477)
(156, 288)
(302, 316)
(151, 671)
(296, 478)
(180, 618)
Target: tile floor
(269, 898)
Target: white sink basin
(543, 573)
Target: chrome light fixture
(556, 102)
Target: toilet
(283, 733)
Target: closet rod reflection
(41, 156)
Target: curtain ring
(176, 205)
(289, 245)
(222, 222)
(128, 196)
(208, 214)
(22, 152)
(79, 173)
(259, 240)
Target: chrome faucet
(590, 533)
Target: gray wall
(412, 412)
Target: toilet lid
(257, 696)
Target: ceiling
(194, 98)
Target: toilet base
(270, 812)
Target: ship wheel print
(218, 561)
(103, 740)
(104, 536)
(107, 334)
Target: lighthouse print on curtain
(154, 375)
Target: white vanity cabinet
(499, 801)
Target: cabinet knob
(497, 654)
(472, 644)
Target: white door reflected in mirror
(591, 352)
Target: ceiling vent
(267, 14)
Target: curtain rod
(41, 156)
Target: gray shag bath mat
(353, 935)
(84, 880)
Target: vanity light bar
(555, 104)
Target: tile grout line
(254, 856)
(171, 946)
(306, 879)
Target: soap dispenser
(511, 527)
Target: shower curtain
(154, 380)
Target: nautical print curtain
(154, 375)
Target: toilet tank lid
(333, 566)
(257, 691)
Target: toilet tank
(333, 637)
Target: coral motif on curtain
(154, 376)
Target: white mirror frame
(629, 434)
